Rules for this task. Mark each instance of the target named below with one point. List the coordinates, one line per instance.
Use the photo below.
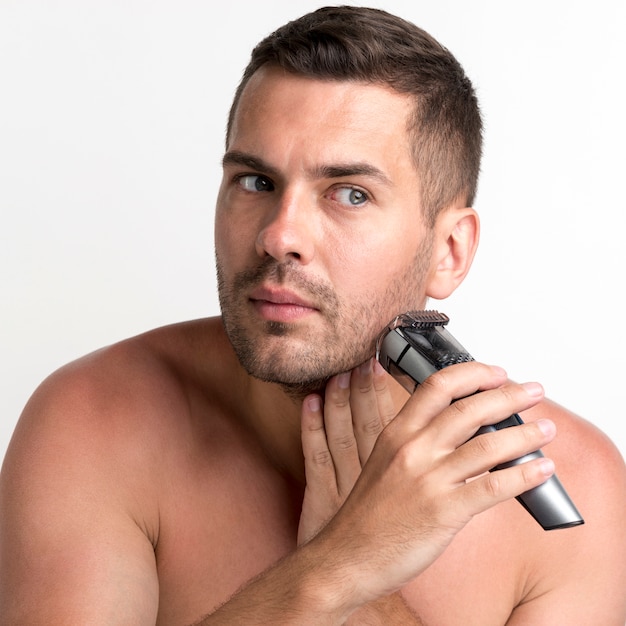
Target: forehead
(325, 117)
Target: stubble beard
(349, 337)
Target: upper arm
(73, 548)
(579, 574)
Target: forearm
(386, 611)
(305, 587)
(285, 595)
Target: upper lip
(277, 295)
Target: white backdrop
(111, 133)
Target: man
(261, 467)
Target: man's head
(321, 235)
(372, 46)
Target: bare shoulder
(521, 574)
(124, 393)
(79, 487)
(586, 459)
(581, 570)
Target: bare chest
(479, 579)
(220, 526)
(212, 543)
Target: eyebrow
(342, 170)
(338, 170)
(234, 157)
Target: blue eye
(350, 196)
(254, 183)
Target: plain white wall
(111, 131)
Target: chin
(300, 369)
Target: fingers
(427, 472)
(447, 408)
(372, 405)
(357, 406)
(460, 421)
(321, 496)
(453, 506)
(340, 432)
(495, 487)
(434, 420)
(441, 389)
(331, 456)
(485, 452)
(434, 431)
(318, 461)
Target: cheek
(369, 262)
(234, 237)
(222, 242)
(219, 226)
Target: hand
(338, 436)
(414, 494)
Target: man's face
(319, 234)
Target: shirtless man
(261, 468)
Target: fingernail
(499, 370)
(533, 389)
(343, 380)
(547, 466)
(546, 427)
(366, 368)
(314, 403)
(378, 368)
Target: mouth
(281, 305)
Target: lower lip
(277, 312)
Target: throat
(273, 414)
(297, 392)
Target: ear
(456, 239)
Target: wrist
(329, 580)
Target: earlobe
(456, 239)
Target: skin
(313, 190)
(157, 481)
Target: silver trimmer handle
(414, 346)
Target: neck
(273, 414)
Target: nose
(287, 233)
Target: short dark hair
(372, 46)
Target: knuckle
(371, 427)
(314, 427)
(438, 382)
(527, 475)
(387, 415)
(321, 458)
(484, 445)
(461, 407)
(531, 432)
(380, 385)
(345, 442)
(385, 439)
(436, 386)
(395, 445)
(404, 458)
(365, 386)
(507, 392)
(493, 484)
(339, 399)
(529, 437)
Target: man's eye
(350, 196)
(254, 182)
